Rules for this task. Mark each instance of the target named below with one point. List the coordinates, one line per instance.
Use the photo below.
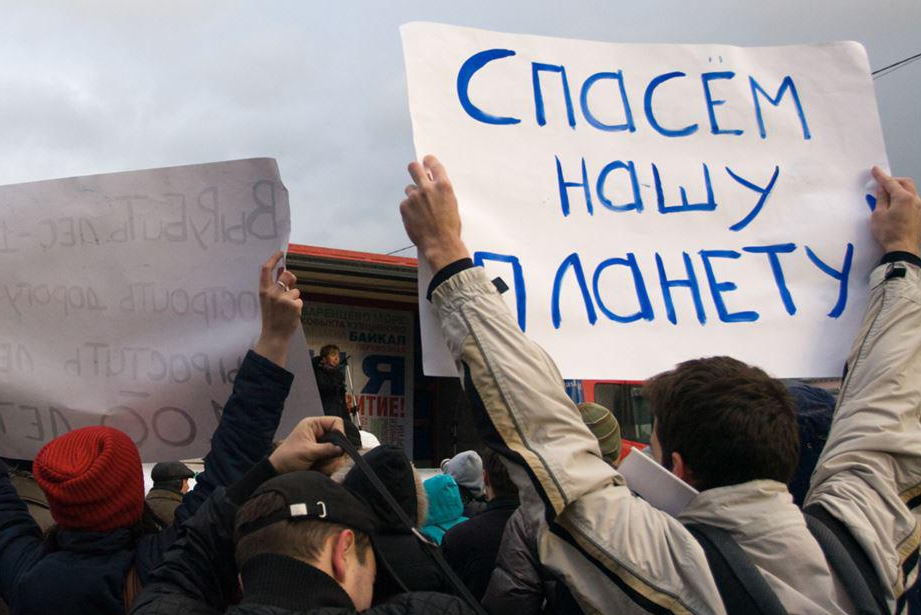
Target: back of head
(307, 517)
(302, 540)
(92, 478)
(399, 476)
(170, 474)
(499, 481)
(730, 422)
(444, 499)
(604, 427)
(467, 470)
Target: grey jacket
(519, 584)
(618, 554)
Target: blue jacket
(445, 506)
(86, 572)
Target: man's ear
(681, 470)
(343, 543)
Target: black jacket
(471, 547)
(198, 575)
(331, 386)
(86, 571)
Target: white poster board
(130, 300)
(378, 346)
(648, 204)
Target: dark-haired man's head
(329, 355)
(267, 525)
(495, 476)
(720, 422)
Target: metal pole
(353, 411)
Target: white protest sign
(130, 300)
(648, 204)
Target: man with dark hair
(730, 422)
(615, 552)
(328, 370)
(331, 381)
(301, 543)
(471, 547)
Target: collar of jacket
(504, 502)
(287, 583)
(164, 494)
(759, 504)
(94, 542)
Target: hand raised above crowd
(430, 214)
(896, 221)
(281, 310)
(301, 449)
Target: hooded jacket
(86, 572)
(615, 552)
(445, 506)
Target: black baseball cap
(312, 496)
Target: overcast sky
(93, 87)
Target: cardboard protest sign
(130, 300)
(647, 204)
(378, 345)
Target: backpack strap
(339, 439)
(742, 587)
(848, 560)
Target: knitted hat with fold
(466, 469)
(604, 427)
(92, 478)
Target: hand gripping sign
(130, 300)
(647, 204)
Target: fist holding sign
(651, 203)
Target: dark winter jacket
(86, 571)
(198, 575)
(471, 547)
(163, 504)
(473, 504)
(520, 584)
(331, 385)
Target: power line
(886, 70)
(401, 250)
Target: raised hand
(430, 214)
(301, 451)
(281, 310)
(896, 221)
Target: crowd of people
(805, 504)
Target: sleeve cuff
(446, 273)
(894, 257)
(258, 474)
(265, 369)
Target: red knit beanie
(93, 479)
